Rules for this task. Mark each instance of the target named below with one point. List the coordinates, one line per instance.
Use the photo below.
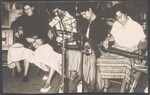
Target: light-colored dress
(42, 57)
(113, 66)
(18, 52)
(45, 56)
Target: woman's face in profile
(121, 17)
(28, 10)
(86, 14)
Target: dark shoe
(25, 79)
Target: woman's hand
(135, 48)
(59, 39)
(20, 32)
(31, 40)
(105, 44)
(17, 34)
(37, 43)
(50, 34)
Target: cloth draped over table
(112, 66)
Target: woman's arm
(109, 39)
(142, 44)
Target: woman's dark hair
(118, 7)
(30, 4)
(84, 6)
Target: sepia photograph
(76, 46)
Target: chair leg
(136, 79)
(135, 82)
(123, 86)
(106, 85)
(13, 72)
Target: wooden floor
(15, 85)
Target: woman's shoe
(105, 89)
(45, 77)
(146, 90)
(25, 79)
(44, 90)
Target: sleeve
(113, 29)
(140, 33)
(16, 24)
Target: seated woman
(26, 26)
(127, 35)
(32, 32)
(46, 59)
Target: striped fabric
(112, 66)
